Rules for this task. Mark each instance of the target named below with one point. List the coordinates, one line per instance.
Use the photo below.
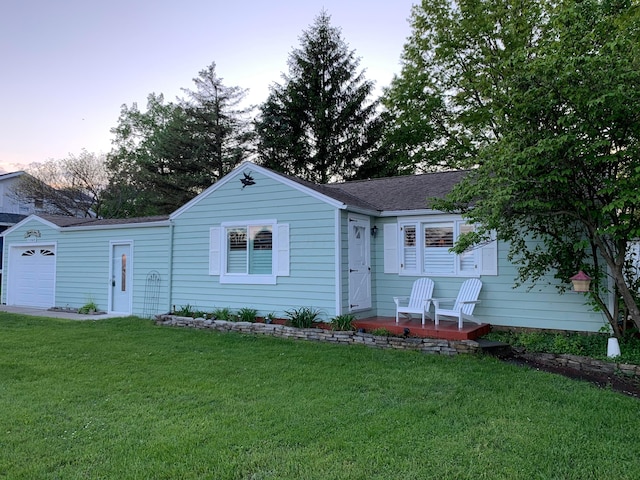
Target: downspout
(170, 266)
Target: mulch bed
(625, 385)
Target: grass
(122, 398)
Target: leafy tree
(319, 124)
(73, 186)
(168, 154)
(543, 98)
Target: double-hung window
(249, 252)
(425, 249)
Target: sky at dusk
(69, 65)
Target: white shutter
(283, 250)
(410, 238)
(214, 250)
(390, 239)
(489, 257)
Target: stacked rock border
(425, 345)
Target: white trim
(131, 264)
(338, 260)
(252, 167)
(10, 272)
(28, 219)
(248, 278)
(391, 258)
(363, 219)
(409, 213)
(116, 226)
(456, 220)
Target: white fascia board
(243, 167)
(117, 226)
(410, 213)
(364, 211)
(28, 219)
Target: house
(12, 210)
(268, 241)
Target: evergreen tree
(319, 124)
(167, 155)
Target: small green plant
(380, 332)
(185, 311)
(302, 317)
(270, 317)
(222, 314)
(89, 307)
(247, 314)
(343, 322)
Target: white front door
(359, 263)
(121, 276)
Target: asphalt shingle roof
(62, 221)
(407, 192)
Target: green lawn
(122, 398)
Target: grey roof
(11, 218)
(62, 221)
(407, 192)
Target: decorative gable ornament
(247, 180)
(32, 234)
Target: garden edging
(425, 345)
(582, 364)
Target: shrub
(247, 314)
(222, 314)
(342, 322)
(380, 332)
(185, 311)
(302, 317)
(89, 307)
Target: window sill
(248, 279)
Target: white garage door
(31, 278)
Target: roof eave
(113, 226)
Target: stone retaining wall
(425, 345)
(584, 364)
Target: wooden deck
(447, 330)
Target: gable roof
(406, 192)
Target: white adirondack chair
(463, 305)
(419, 302)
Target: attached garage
(32, 273)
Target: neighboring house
(271, 242)
(12, 211)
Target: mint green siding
(501, 303)
(82, 262)
(312, 254)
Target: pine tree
(168, 154)
(320, 123)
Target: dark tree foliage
(165, 156)
(320, 123)
(542, 97)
